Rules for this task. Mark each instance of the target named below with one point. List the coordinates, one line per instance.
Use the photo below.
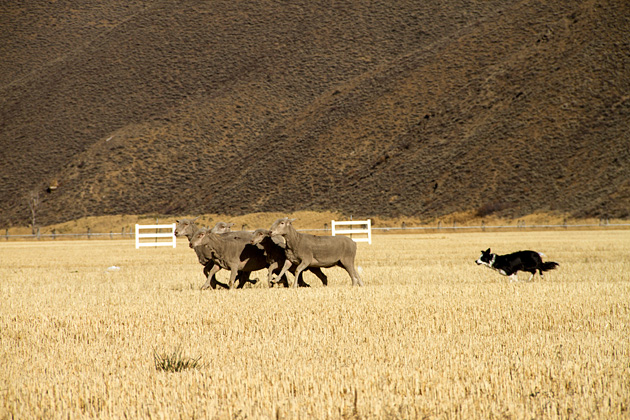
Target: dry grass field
(431, 335)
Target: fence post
(170, 235)
(350, 231)
(88, 232)
(54, 234)
(6, 234)
(39, 236)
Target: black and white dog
(509, 264)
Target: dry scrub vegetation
(431, 335)
(306, 220)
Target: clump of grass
(175, 361)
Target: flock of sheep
(279, 249)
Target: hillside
(372, 109)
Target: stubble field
(431, 335)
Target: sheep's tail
(550, 265)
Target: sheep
(307, 250)
(188, 228)
(274, 248)
(231, 251)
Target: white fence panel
(366, 230)
(171, 235)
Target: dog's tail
(550, 265)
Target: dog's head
(485, 258)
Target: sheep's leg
(280, 280)
(298, 272)
(243, 277)
(210, 275)
(214, 283)
(320, 274)
(212, 279)
(206, 270)
(284, 280)
(246, 278)
(272, 267)
(233, 274)
(356, 279)
(354, 276)
(285, 268)
(240, 281)
(301, 282)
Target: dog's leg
(531, 277)
(513, 278)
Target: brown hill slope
(371, 109)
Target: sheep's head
(222, 227)
(259, 235)
(198, 238)
(185, 227)
(281, 226)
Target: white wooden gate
(366, 230)
(156, 235)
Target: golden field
(432, 335)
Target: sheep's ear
(291, 220)
(230, 224)
(195, 218)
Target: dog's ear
(488, 251)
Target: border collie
(510, 264)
